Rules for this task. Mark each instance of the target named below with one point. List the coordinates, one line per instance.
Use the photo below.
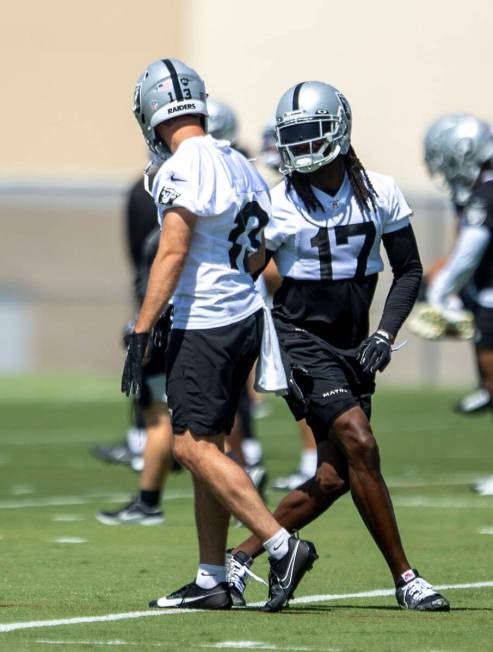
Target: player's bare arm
(257, 260)
(174, 244)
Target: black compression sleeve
(403, 254)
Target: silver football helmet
(269, 154)
(222, 123)
(166, 89)
(313, 126)
(456, 148)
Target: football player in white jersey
(212, 205)
(330, 218)
(155, 457)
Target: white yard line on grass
(220, 645)
(22, 489)
(69, 540)
(130, 615)
(443, 503)
(115, 642)
(485, 530)
(66, 518)
(378, 593)
(261, 645)
(475, 502)
(61, 501)
(410, 482)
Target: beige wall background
(70, 145)
(401, 63)
(68, 70)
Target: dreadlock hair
(363, 189)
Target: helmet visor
(302, 132)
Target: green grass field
(50, 489)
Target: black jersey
(141, 219)
(479, 211)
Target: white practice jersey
(338, 242)
(471, 261)
(231, 201)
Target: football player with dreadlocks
(330, 217)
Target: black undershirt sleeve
(403, 254)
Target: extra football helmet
(222, 122)
(166, 89)
(456, 147)
(269, 154)
(313, 126)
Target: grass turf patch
(429, 455)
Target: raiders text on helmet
(313, 126)
(166, 89)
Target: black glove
(374, 352)
(132, 370)
(127, 331)
(162, 328)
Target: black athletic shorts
(206, 370)
(331, 381)
(483, 337)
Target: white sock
(277, 545)
(308, 462)
(209, 575)
(136, 440)
(252, 451)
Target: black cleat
(418, 595)
(258, 476)
(193, 596)
(290, 482)
(238, 571)
(286, 573)
(135, 513)
(237, 567)
(113, 453)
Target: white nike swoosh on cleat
(182, 602)
(290, 568)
